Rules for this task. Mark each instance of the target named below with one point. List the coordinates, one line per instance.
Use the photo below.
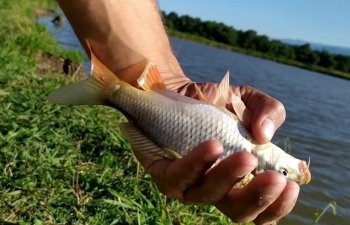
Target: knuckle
(246, 88)
(164, 191)
(242, 218)
(282, 211)
(278, 215)
(279, 112)
(200, 198)
(210, 201)
(207, 201)
(272, 222)
(279, 107)
(172, 193)
(185, 201)
(169, 192)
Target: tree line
(249, 39)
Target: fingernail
(268, 128)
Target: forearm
(124, 33)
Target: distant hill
(319, 47)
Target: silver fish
(165, 124)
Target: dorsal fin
(222, 91)
(150, 79)
(100, 72)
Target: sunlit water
(317, 124)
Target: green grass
(319, 214)
(67, 165)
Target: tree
(326, 60)
(170, 19)
(246, 39)
(262, 43)
(251, 40)
(306, 55)
(342, 63)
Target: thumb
(267, 114)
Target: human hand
(267, 198)
(191, 178)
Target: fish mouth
(305, 175)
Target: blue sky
(318, 21)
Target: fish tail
(91, 91)
(101, 73)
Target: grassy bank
(66, 165)
(216, 44)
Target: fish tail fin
(150, 79)
(86, 92)
(91, 91)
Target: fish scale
(180, 125)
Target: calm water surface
(317, 124)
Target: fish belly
(181, 125)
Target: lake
(317, 123)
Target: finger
(244, 205)
(221, 178)
(267, 114)
(282, 206)
(174, 177)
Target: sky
(318, 21)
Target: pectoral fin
(238, 106)
(244, 181)
(171, 154)
(142, 146)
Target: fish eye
(284, 172)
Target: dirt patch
(40, 12)
(53, 64)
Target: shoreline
(201, 40)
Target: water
(317, 123)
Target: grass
(318, 215)
(67, 165)
(216, 44)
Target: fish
(164, 124)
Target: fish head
(293, 169)
(271, 157)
